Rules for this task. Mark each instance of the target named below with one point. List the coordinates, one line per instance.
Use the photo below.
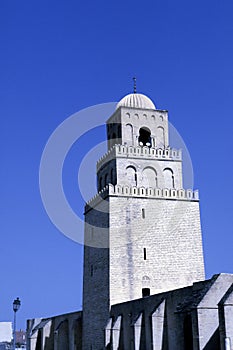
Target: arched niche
(149, 177)
(129, 133)
(131, 175)
(160, 136)
(168, 178)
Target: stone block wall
(154, 243)
(96, 275)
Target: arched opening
(144, 137)
(160, 137)
(129, 134)
(131, 176)
(188, 333)
(145, 292)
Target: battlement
(98, 197)
(125, 151)
(142, 192)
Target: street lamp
(16, 306)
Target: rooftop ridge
(138, 152)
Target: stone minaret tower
(142, 230)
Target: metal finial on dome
(134, 85)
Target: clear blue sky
(58, 57)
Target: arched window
(131, 175)
(149, 177)
(168, 178)
(144, 137)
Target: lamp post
(16, 306)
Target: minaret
(142, 232)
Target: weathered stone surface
(149, 225)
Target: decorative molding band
(125, 151)
(142, 192)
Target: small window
(144, 253)
(91, 270)
(143, 213)
(145, 292)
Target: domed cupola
(136, 100)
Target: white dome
(136, 101)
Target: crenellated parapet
(163, 193)
(125, 151)
(98, 197)
(142, 192)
